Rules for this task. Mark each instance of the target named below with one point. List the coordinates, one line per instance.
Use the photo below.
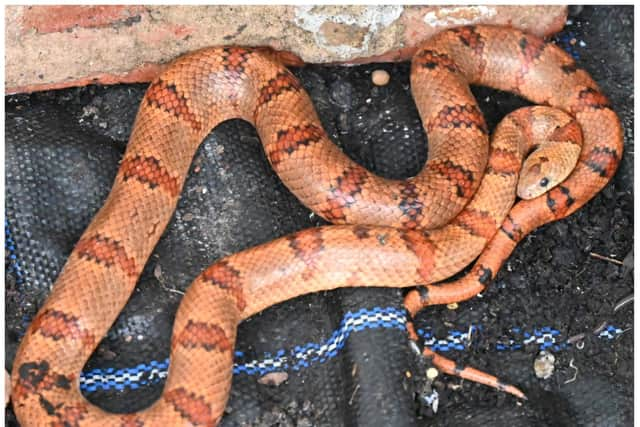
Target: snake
(384, 232)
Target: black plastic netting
(345, 353)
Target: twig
(624, 301)
(175, 291)
(355, 390)
(571, 365)
(469, 336)
(605, 258)
(575, 338)
(600, 327)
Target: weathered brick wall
(59, 46)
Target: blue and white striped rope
(297, 358)
(303, 356)
(300, 357)
(546, 338)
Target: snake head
(547, 166)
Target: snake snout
(556, 145)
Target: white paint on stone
(371, 18)
(446, 16)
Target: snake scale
(389, 233)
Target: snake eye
(544, 182)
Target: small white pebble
(544, 365)
(432, 373)
(273, 379)
(380, 77)
(452, 306)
